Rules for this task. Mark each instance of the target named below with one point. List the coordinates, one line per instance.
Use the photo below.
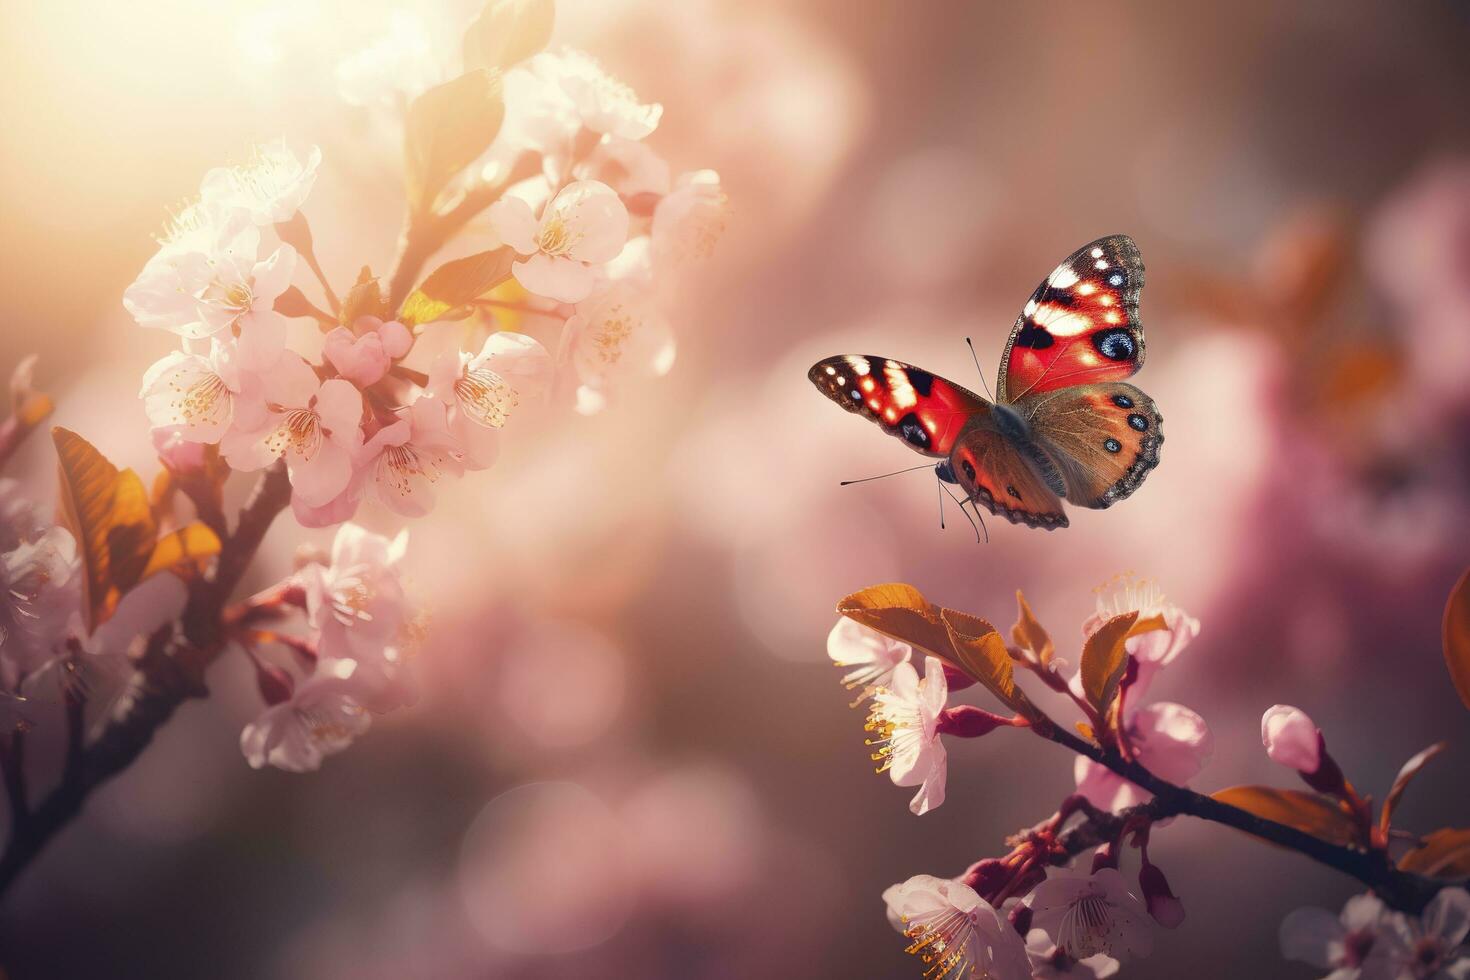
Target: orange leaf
(446, 129)
(1306, 812)
(88, 484)
(1028, 632)
(130, 535)
(1103, 658)
(455, 284)
(902, 612)
(982, 654)
(1445, 853)
(1457, 637)
(191, 543)
(364, 298)
(508, 31)
(1405, 776)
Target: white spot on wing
(858, 364)
(1030, 307)
(1097, 253)
(1062, 277)
(899, 389)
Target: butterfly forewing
(1105, 438)
(1081, 324)
(925, 411)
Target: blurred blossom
(1050, 962)
(319, 719)
(695, 835)
(541, 871)
(560, 684)
(689, 220)
(1342, 943)
(1425, 947)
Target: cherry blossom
(1088, 914)
(1291, 738)
(1155, 649)
(904, 719)
(356, 604)
(1168, 739)
(690, 219)
(616, 336)
(320, 718)
(873, 656)
(602, 103)
(956, 933)
(198, 395)
(585, 225)
(1340, 943)
(481, 391)
(364, 353)
(1049, 962)
(630, 167)
(206, 241)
(270, 188)
(40, 591)
(313, 424)
(402, 461)
(1429, 947)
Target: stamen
(485, 398)
(205, 402)
(300, 432)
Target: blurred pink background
(632, 758)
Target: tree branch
(1401, 890)
(169, 672)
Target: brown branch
(170, 671)
(1401, 890)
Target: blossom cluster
(1028, 914)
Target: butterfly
(1064, 426)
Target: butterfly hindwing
(924, 410)
(1081, 324)
(1104, 438)
(1007, 474)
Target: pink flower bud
(275, 684)
(176, 452)
(1291, 738)
(1163, 905)
(968, 721)
(957, 680)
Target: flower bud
(1291, 738)
(1163, 905)
(987, 876)
(275, 684)
(1105, 856)
(968, 721)
(957, 680)
(1021, 918)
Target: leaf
(1104, 656)
(193, 542)
(508, 31)
(455, 284)
(88, 484)
(1405, 776)
(365, 298)
(902, 612)
(293, 303)
(1028, 633)
(982, 654)
(130, 535)
(1445, 853)
(447, 128)
(1457, 637)
(1306, 812)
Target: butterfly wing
(1081, 324)
(923, 410)
(1104, 438)
(1006, 473)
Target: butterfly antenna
(880, 476)
(961, 505)
(976, 358)
(940, 484)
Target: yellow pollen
(300, 432)
(485, 398)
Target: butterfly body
(1065, 426)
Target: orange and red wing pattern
(1081, 324)
(924, 410)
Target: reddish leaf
(1457, 637)
(1028, 633)
(1445, 853)
(1406, 776)
(1306, 812)
(87, 485)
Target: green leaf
(1027, 632)
(1406, 775)
(982, 654)
(1306, 812)
(447, 128)
(508, 31)
(1445, 853)
(1457, 637)
(456, 284)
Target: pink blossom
(198, 396)
(958, 933)
(617, 336)
(270, 188)
(1050, 962)
(690, 219)
(1427, 947)
(585, 225)
(1169, 740)
(321, 718)
(1155, 649)
(313, 424)
(904, 720)
(40, 592)
(481, 391)
(364, 353)
(1088, 914)
(1291, 738)
(630, 167)
(402, 461)
(602, 103)
(872, 655)
(1340, 943)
